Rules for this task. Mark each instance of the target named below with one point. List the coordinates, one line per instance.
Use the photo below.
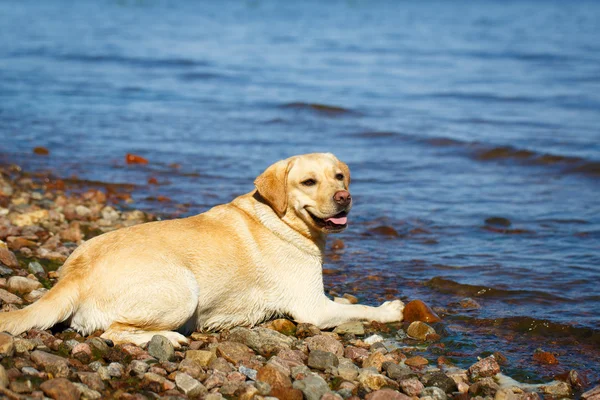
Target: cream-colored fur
(237, 264)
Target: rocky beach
(43, 219)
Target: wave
(323, 109)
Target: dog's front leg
(325, 313)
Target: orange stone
(545, 357)
(273, 377)
(282, 325)
(135, 159)
(416, 361)
(416, 310)
(42, 151)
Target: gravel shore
(42, 222)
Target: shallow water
(447, 113)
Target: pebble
(434, 392)
(417, 310)
(55, 365)
(419, 330)
(355, 328)
(440, 380)
(137, 368)
(7, 345)
(36, 268)
(386, 394)
(115, 369)
(371, 379)
(262, 340)
(557, 389)
(22, 285)
(313, 387)
(86, 392)
(322, 360)
(234, 352)
(484, 368)
(593, 394)
(161, 348)
(282, 325)
(60, 389)
(416, 361)
(411, 386)
(9, 298)
(202, 357)
(544, 357)
(347, 369)
(373, 339)
(189, 386)
(484, 387)
(3, 377)
(325, 343)
(8, 258)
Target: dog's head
(311, 189)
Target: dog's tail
(54, 307)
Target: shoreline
(42, 221)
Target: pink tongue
(338, 221)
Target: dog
(240, 263)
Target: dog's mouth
(337, 222)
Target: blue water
(448, 113)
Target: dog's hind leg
(121, 333)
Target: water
(448, 113)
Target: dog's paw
(391, 311)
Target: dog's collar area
(327, 223)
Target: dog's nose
(342, 197)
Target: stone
(484, 368)
(292, 358)
(544, 357)
(82, 352)
(322, 360)
(115, 370)
(161, 348)
(434, 392)
(249, 372)
(55, 365)
(7, 345)
(375, 360)
(280, 364)
(356, 353)
(282, 325)
(557, 389)
(304, 330)
(313, 387)
(156, 383)
(372, 380)
(416, 361)
(505, 394)
(325, 343)
(23, 345)
(86, 392)
(386, 394)
(355, 328)
(347, 370)
(91, 380)
(264, 341)
(593, 394)
(190, 367)
(3, 377)
(60, 389)
(189, 386)
(441, 380)
(273, 377)
(373, 339)
(20, 284)
(8, 258)
(398, 372)
(202, 357)
(30, 218)
(216, 379)
(484, 387)
(9, 298)
(417, 310)
(234, 352)
(220, 364)
(419, 330)
(282, 393)
(411, 386)
(36, 268)
(34, 295)
(137, 368)
(246, 392)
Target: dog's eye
(309, 182)
(339, 177)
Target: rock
(338, 244)
(469, 304)
(484, 368)
(86, 392)
(498, 221)
(23, 345)
(20, 284)
(21, 386)
(99, 347)
(440, 380)
(593, 394)
(115, 370)
(91, 380)
(347, 370)
(557, 389)
(60, 389)
(313, 387)
(544, 357)
(322, 360)
(82, 211)
(375, 360)
(110, 214)
(220, 364)
(280, 364)
(420, 330)
(262, 340)
(135, 159)
(190, 367)
(356, 353)
(36, 268)
(416, 361)
(189, 386)
(55, 365)
(161, 348)
(3, 377)
(263, 388)
(484, 387)
(355, 328)
(82, 352)
(9, 298)
(417, 310)
(234, 352)
(7, 345)
(373, 339)
(434, 392)
(156, 383)
(17, 243)
(8, 258)
(306, 330)
(285, 394)
(273, 377)
(35, 294)
(202, 357)
(398, 372)
(282, 325)
(30, 218)
(292, 358)
(371, 379)
(384, 230)
(249, 372)
(505, 394)
(386, 394)
(137, 368)
(411, 386)
(325, 343)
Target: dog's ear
(272, 185)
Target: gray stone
(161, 348)
(355, 328)
(36, 268)
(189, 386)
(137, 368)
(103, 373)
(313, 387)
(115, 369)
(262, 340)
(441, 380)
(5, 270)
(484, 387)
(23, 345)
(325, 343)
(57, 366)
(9, 298)
(434, 392)
(557, 389)
(30, 371)
(347, 369)
(373, 339)
(322, 360)
(398, 372)
(99, 344)
(249, 372)
(263, 388)
(91, 380)
(86, 392)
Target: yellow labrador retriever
(237, 264)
